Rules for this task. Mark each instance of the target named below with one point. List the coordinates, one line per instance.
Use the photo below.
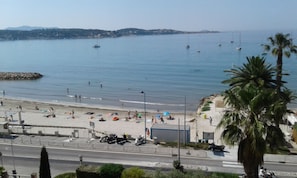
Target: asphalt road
(25, 159)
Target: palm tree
(280, 45)
(255, 71)
(242, 125)
(250, 96)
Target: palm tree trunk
(251, 170)
(279, 69)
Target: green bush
(67, 175)
(223, 175)
(133, 172)
(159, 174)
(1, 169)
(87, 171)
(177, 165)
(111, 170)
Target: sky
(186, 15)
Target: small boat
(188, 46)
(238, 48)
(96, 46)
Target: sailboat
(239, 46)
(97, 44)
(232, 41)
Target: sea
(156, 73)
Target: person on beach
(210, 120)
(67, 91)
(162, 120)
(1, 103)
(129, 114)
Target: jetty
(20, 75)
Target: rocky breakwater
(20, 75)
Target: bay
(113, 75)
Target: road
(25, 159)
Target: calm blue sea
(115, 74)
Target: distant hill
(32, 33)
(27, 28)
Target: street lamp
(12, 153)
(80, 159)
(144, 105)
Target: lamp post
(144, 105)
(12, 153)
(80, 159)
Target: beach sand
(79, 116)
(74, 116)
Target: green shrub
(1, 169)
(133, 172)
(177, 165)
(159, 174)
(87, 171)
(67, 175)
(223, 175)
(198, 146)
(111, 170)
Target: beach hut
(169, 133)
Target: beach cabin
(4, 128)
(169, 133)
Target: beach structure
(169, 133)
(4, 128)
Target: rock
(20, 75)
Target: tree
(255, 72)
(133, 172)
(44, 168)
(280, 45)
(250, 96)
(111, 170)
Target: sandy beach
(64, 118)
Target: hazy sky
(188, 15)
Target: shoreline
(94, 106)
